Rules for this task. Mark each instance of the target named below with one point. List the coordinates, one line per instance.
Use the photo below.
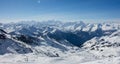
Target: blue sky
(63, 10)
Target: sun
(38, 1)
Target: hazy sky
(64, 10)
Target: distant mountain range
(55, 38)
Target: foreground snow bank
(71, 59)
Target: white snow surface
(70, 59)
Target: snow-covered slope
(9, 45)
(105, 46)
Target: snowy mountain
(9, 45)
(79, 30)
(66, 40)
(105, 46)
